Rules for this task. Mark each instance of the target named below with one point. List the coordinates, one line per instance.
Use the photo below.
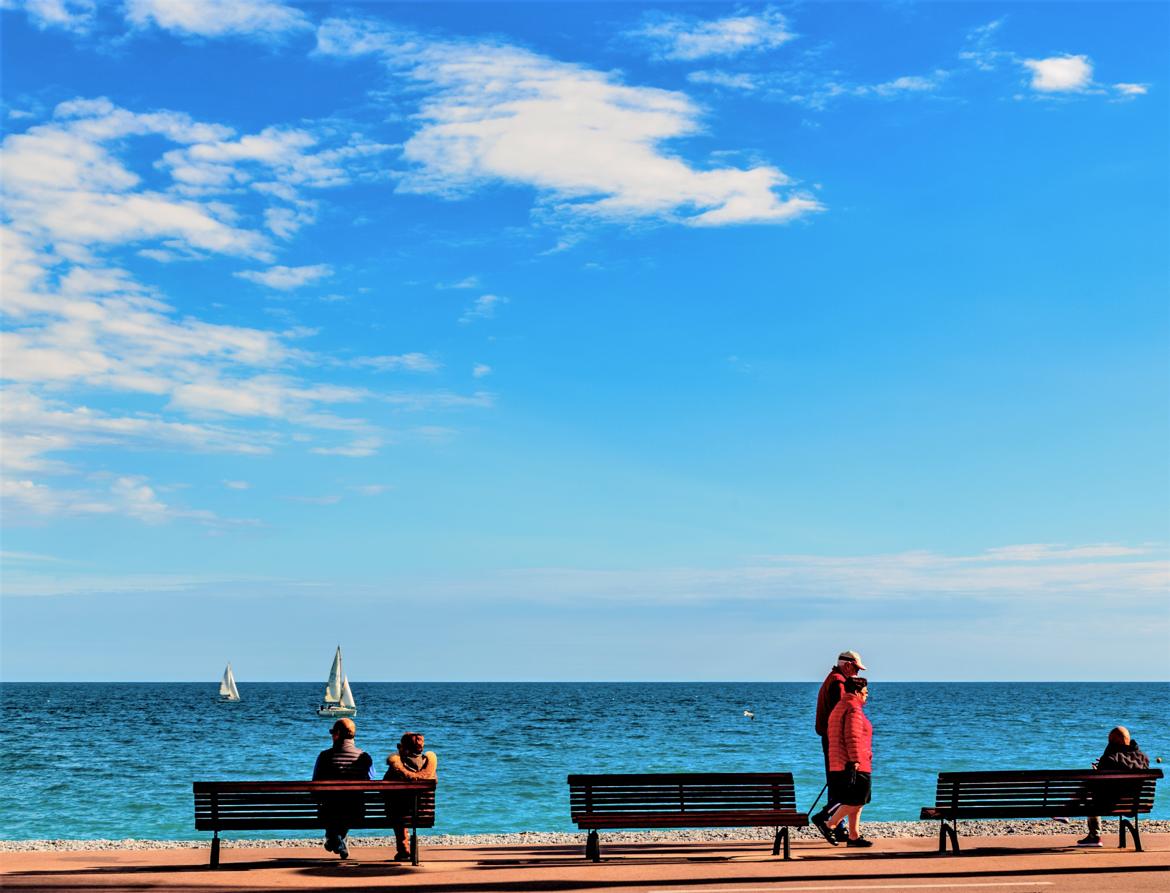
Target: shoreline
(877, 830)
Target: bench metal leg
(1123, 824)
(215, 850)
(593, 847)
(947, 832)
(781, 842)
(414, 846)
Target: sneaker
(858, 841)
(1091, 840)
(342, 850)
(841, 833)
(330, 845)
(823, 826)
(402, 856)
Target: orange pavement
(1017, 864)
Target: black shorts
(847, 793)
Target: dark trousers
(831, 802)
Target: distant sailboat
(227, 686)
(338, 699)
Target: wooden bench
(296, 805)
(1040, 794)
(685, 800)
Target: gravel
(1073, 830)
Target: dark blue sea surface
(113, 760)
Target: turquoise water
(117, 760)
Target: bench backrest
(1009, 794)
(684, 792)
(248, 805)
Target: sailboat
(227, 685)
(338, 698)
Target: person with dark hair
(342, 761)
(850, 763)
(1122, 754)
(848, 665)
(411, 763)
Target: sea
(116, 760)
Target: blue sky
(599, 341)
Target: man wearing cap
(848, 665)
(341, 762)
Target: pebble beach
(877, 830)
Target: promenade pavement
(1018, 864)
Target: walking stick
(818, 800)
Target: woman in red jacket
(850, 762)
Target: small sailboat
(227, 685)
(338, 698)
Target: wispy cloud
(357, 449)
(483, 307)
(287, 278)
(70, 15)
(590, 145)
(686, 38)
(481, 370)
(408, 362)
(263, 19)
(1041, 574)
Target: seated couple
(344, 761)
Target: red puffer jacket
(850, 736)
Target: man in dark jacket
(848, 665)
(343, 761)
(1122, 754)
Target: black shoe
(1091, 840)
(826, 832)
(343, 850)
(330, 845)
(402, 856)
(858, 841)
(841, 834)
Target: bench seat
(296, 805)
(1031, 794)
(685, 800)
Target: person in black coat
(1122, 754)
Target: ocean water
(105, 760)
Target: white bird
(749, 714)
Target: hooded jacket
(1123, 758)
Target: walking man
(341, 762)
(848, 665)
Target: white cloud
(688, 38)
(483, 307)
(129, 495)
(71, 15)
(1060, 74)
(716, 78)
(358, 449)
(218, 18)
(588, 144)
(1132, 89)
(370, 489)
(1052, 575)
(481, 370)
(287, 278)
(237, 485)
(410, 362)
(465, 282)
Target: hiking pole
(818, 800)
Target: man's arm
(317, 768)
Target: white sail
(347, 695)
(227, 685)
(333, 686)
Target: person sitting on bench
(342, 761)
(409, 764)
(1122, 754)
